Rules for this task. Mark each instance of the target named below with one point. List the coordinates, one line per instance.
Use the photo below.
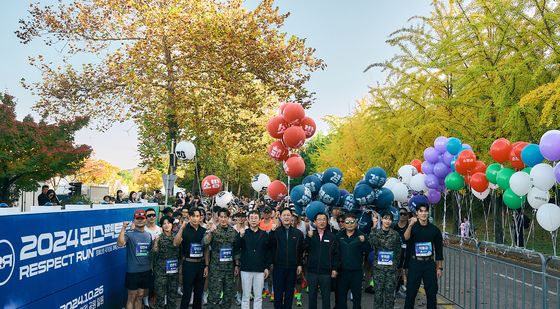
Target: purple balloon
(431, 181)
(427, 168)
(433, 196)
(466, 146)
(550, 145)
(447, 158)
(431, 154)
(441, 144)
(557, 172)
(441, 170)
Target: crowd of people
(255, 250)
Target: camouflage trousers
(385, 282)
(166, 284)
(220, 281)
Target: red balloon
(479, 182)
(277, 190)
(461, 168)
(308, 126)
(515, 155)
(500, 150)
(276, 126)
(518, 147)
(294, 155)
(293, 113)
(480, 167)
(417, 164)
(294, 137)
(467, 160)
(282, 106)
(294, 166)
(211, 185)
(277, 151)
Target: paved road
(501, 283)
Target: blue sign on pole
(63, 260)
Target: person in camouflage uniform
(223, 251)
(165, 257)
(386, 245)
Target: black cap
(167, 209)
(267, 209)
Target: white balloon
(223, 198)
(417, 183)
(390, 183)
(400, 192)
(520, 183)
(260, 182)
(481, 195)
(548, 216)
(537, 197)
(406, 172)
(542, 176)
(185, 150)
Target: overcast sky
(348, 35)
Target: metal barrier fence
(481, 274)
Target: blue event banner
(66, 260)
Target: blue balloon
(313, 183)
(376, 177)
(298, 209)
(531, 155)
(417, 200)
(343, 193)
(300, 195)
(313, 209)
(454, 145)
(332, 175)
(453, 162)
(361, 182)
(395, 213)
(384, 198)
(329, 194)
(364, 195)
(320, 176)
(349, 203)
(364, 222)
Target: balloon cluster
(317, 192)
(291, 128)
(522, 173)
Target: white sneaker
(238, 299)
(205, 298)
(180, 291)
(192, 298)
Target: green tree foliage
(31, 152)
(477, 70)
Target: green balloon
(492, 171)
(527, 170)
(454, 181)
(503, 177)
(512, 200)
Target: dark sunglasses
(403, 214)
(151, 216)
(350, 221)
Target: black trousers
(349, 280)
(419, 271)
(193, 279)
(318, 280)
(283, 282)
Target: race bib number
(226, 254)
(196, 250)
(171, 266)
(142, 249)
(385, 258)
(423, 249)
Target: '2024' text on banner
(66, 260)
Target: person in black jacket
(286, 242)
(254, 260)
(322, 262)
(42, 199)
(353, 249)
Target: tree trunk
(5, 191)
(498, 212)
